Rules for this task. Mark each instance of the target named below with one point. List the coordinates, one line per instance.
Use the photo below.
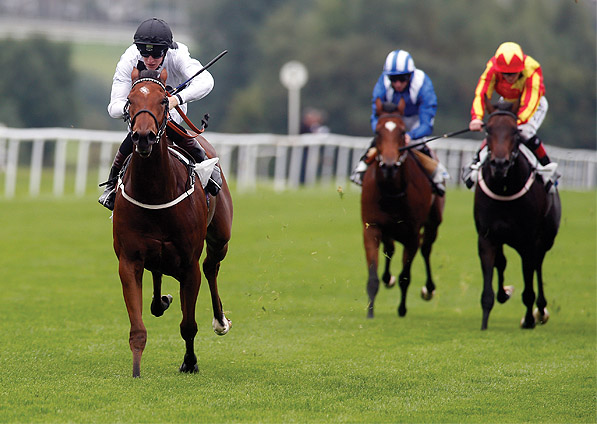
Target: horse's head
(389, 137)
(503, 138)
(148, 109)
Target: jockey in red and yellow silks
(528, 88)
(516, 77)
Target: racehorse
(512, 207)
(162, 220)
(397, 204)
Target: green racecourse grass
(300, 349)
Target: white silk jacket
(180, 67)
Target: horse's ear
(515, 107)
(378, 106)
(401, 106)
(490, 107)
(163, 76)
(135, 75)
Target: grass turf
(300, 349)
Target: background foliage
(343, 44)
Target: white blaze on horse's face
(390, 126)
(144, 90)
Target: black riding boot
(109, 194)
(536, 146)
(192, 147)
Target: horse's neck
(153, 177)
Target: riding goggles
(155, 51)
(400, 78)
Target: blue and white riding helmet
(399, 62)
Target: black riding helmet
(155, 32)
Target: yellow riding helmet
(509, 58)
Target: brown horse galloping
(513, 208)
(162, 220)
(397, 203)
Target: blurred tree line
(37, 84)
(343, 43)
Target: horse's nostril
(135, 136)
(152, 137)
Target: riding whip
(211, 62)
(420, 143)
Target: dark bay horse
(397, 204)
(162, 221)
(512, 207)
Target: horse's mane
(149, 73)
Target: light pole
(294, 75)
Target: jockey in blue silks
(401, 80)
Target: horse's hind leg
(429, 236)
(410, 250)
(388, 252)
(218, 236)
(540, 314)
(189, 289)
(504, 293)
(159, 303)
(216, 252)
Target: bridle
(402, 157)
(161, 127)
(515, 151)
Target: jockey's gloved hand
(172, 102)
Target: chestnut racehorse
(162, 220)
(397, 203)
(512, 207)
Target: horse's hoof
(527, 325)
(509, 290)
(425, 294)
(541, 319)
(401, 311)
(190, 369)
(504, 296)
(166, 300)
(220, 329)
(391, 283)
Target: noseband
(161, 127)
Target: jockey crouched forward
(154, 49)
(517, 78)
(401, 80)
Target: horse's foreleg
(189, 289)
(387, 278)
(504, 293)
(211, 268)
(487, 254)
(159, 303)
(372, 238)
(429, 236)
(410, 250)
(528, 295)
(131, 275)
